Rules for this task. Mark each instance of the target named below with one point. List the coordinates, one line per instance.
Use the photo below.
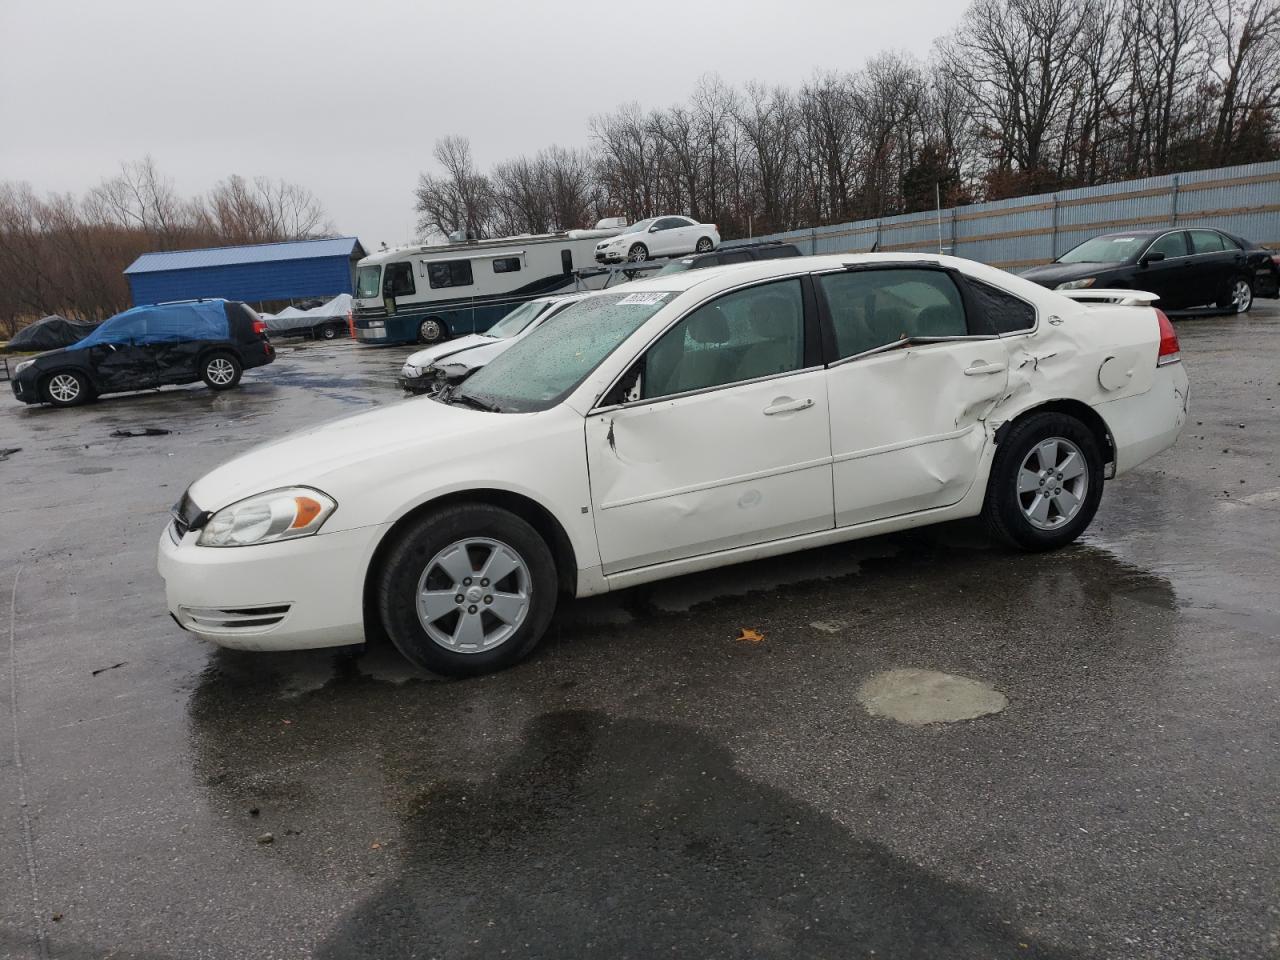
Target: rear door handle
(786, 405)
(981, 368)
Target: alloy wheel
(1242, 295)
(704, 245)
(64, 387)
(221, 371)
(474, 595)
(1052, 483)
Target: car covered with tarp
(148, 347)
(328, 320)
(49, 333)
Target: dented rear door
(907, 426)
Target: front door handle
(981, 368)
(786, 405)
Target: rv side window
(449, 273)
(397, 280)
(566, 261)
(506, 264)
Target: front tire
(468, 589)
(430, 330)
(220, 371)
(1046, 482)
(67, 388)
(638, 253)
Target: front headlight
(22, 366)
(1077, 284)
(411, 371)
(268, 517)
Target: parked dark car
(769, 250)
(147, 347)
(1186, 267)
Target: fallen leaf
(750, 636)
(375, 845)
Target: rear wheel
(638, 253)
(67, 388)
(331, 331)
(704, 245)
(220, 371)
(1241, 295)
(468, 589)
(1046, 482)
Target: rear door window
(1001, 310)
(874, 308)
(1207, 241)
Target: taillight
(1169, 350)
(259, 326)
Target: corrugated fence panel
(1023, 231)
(252, 282)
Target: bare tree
(460, 198)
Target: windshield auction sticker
(644, 299)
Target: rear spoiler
(1124, 298)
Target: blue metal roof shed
(265, 271)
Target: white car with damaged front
(677, 424)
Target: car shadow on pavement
(622, 838)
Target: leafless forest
(64, 254)
(1024, 96)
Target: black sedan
(1186, 267)
(146, 347)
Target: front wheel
(430, 330)
(220, 371)
(468, 589)
(67, 388)
(1046, 482)
(638, 253)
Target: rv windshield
(367, 282)
(544, 367)
(516, 320)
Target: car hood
(620, 238)
(477, 357)
(317, 457)
(428, 356)
(1052, 274)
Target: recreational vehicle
(427, 293)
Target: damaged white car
(676, 424)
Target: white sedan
(676, 424)
(445, 364)
(659, 237)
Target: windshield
(676, 266)
(367, 282)
(544, 367)
(640, 226)
(1116, 248)
(517, 320)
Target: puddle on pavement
(921, 697)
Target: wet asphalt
(647, 785)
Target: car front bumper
(292, 595)
(24, 388)
(610, 256)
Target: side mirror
(1152, 257)
(654, 228)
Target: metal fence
(1026, 231)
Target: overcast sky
(347, 99)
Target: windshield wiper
(453, 396)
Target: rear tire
(444, 556)
(1046, 482)
(1239, 296)
(431, 330)
(331, 331)
(67, 388)
(704, 245)
(220, 370)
